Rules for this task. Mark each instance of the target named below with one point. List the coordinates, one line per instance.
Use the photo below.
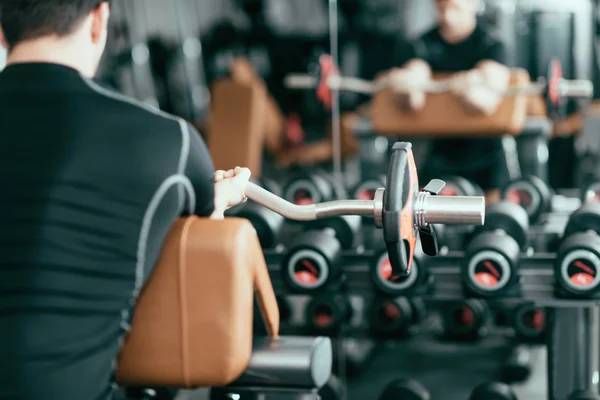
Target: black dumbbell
(391, 318)
(313, 259)
(531, 193)
(517, 366)
(459, 186)
(309, 188)
(492, 255)
(577, 265)
(464, 319)
(529, 322)
(388, 284)
(333, 389)
(267, 223)
(366, 190)
(493, 391)
(327, 313)
(583, 395)
(405, 389)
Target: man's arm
(482, 88)
(216, 192)
(200, 171)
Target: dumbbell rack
(574, 337)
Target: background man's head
(455, 14)
(69, 26)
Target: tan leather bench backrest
(193, 320)
(444, 115)
(242, 71)
(237, 126)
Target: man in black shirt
(458, 44)
(90, 184)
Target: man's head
(70, 29)
(456, 14)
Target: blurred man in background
(459, 45)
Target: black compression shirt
(461, 156)
(90, 184)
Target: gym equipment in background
(327, 313)
(492, 256)
(185, 76)
(312, 260)
(553, 87)
(577, 265)
(531, 193)
(464, 320)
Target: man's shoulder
(130, 108)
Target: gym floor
(448, 371)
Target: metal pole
(573, 349)
(335, 101)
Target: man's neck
(48, 50)
(457, 35)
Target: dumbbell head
(493, 391)
(529, 321)
(345, 227)
(405, 389)
(464, 319)
(326, 314)
(390, 317)
(531, 193)
(577, 265)
(395, 285)
(267, 223)
(366, 189)
(509, 218)
(308, 189)
(491, 257)
(312, 262)
(459, 186)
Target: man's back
(89, 187)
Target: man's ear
(100, 22)
(3, 42)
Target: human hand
(477, 96)
(408, 86)
(230, 187)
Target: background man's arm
(483, 86)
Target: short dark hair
(30, 19)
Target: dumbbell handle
(568, 88)
(428, 209)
